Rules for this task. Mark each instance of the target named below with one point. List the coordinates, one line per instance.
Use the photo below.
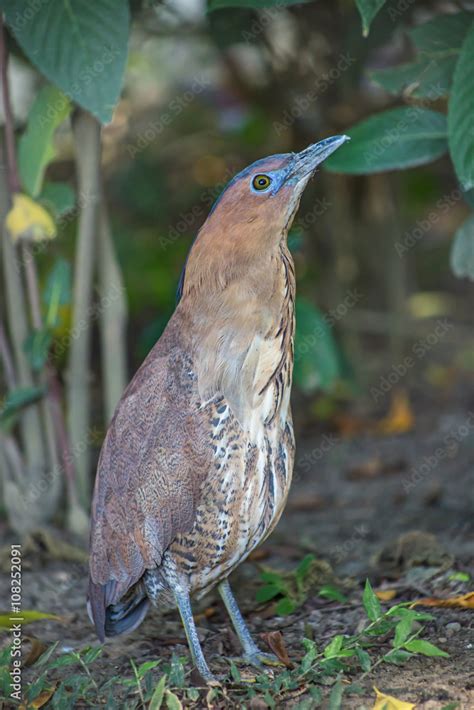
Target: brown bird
(196, 466)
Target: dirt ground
(354, 502)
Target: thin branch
(87, 143)
(13, 178)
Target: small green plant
(291, 588)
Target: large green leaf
(251, 4)
(58, 198)
(462, 251)
(317, 359)
(443, 34)
(368, 9)
(427, 78)
(80, 46)
(392, 140)
(36, 149)
(461, 114)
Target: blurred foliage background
(206, 91)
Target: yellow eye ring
(261, 182)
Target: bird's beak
(305, 163)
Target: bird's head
(253, 214)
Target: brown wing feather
(155, 456)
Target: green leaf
(158, 695)
(425, 648)
(427, 78)
(58, 198)
(402, 631)
(304, 567)
(317, 358)
(330, 592)
(398, 657)
(264, 594)
(19, 398)
(364, 659)
(36, 149)
(36, 348)
(147, 666)
(235, 673)
(285, 606)
(252, 4)
(371, 603)
(460, 114)
(81, 47)
(462, 250)
(172, 701)
(334, 646)
(335, 699)
(25, 617)
(444, 34)
(57, 289)
(92, 654)
(392, 140)
(460, 576)
(368, 10)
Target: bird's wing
(155, 456)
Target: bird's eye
(261, 182)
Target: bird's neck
(242, 330)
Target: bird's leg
(184, 607)
(252, 653)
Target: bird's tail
(121, 617)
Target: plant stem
(113, 318)
(87, 143)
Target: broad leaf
(317, 360)
(427, 78)
(461, 114)
(36, 148)
(81, 47)
(36, 348)
(58, 198)
(371, 603)
(158, 695)
(368, 9)
(462, 250)
(57, 291)
(251, 4)
(425, 648)
(443, 34)
(392, 140)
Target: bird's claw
(260, 659)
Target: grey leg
(184, 607)
(252, 653)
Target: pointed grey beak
(305, 163)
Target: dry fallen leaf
(466, 601)
(388, 702)
(41, 699)
(37, 649)
(27, 219)
(400, 417)
(386, 595)
(275, 641)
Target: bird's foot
(260, 659)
